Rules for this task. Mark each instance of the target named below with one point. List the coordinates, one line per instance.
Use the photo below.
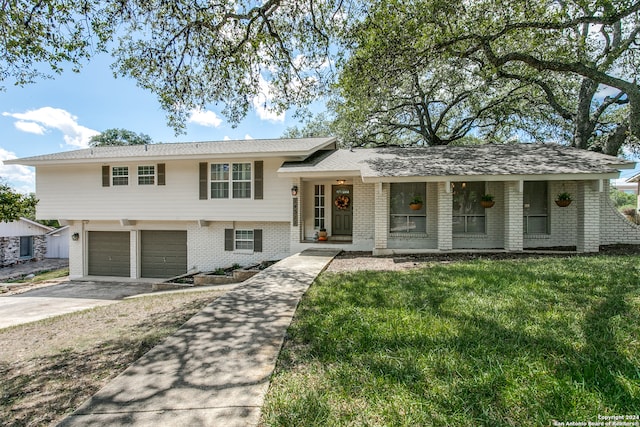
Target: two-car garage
(163, 253)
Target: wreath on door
(342, 202)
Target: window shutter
(258, 167)
(106, 176)
(257, 240)
(161, 174)
(228, 239)
(203, 181)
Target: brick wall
(364, 208)
(614, 227)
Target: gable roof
(489, 160)
(291, 148)
(20, 226)
(634, 178)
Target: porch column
(588, 200)
(381, 215)
(513, 214)
(445, 221)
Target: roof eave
(480, 177)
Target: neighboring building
(166, 209)
(58, 243)
(625, 186)
(22, 240)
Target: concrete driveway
(64, 298)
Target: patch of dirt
(49, 368)
(357, 261)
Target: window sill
(400, 234)
(471, 235)
(537, 236)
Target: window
(318, 207)
(468, 214)
(244, 240)
(535, 209)
(220, 181)
(26, 246)
(239, 180)
(120, 175)
(146, 175)
(405, 216)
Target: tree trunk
(583, 124)
(615, 140)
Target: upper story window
(234, 176)
(408, 210)
(468, 213)
(120, 175)
(536, 207)
(146, 175)
(241, 179)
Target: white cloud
(247, 136)
(261, 103)
(29, 127)
(205, 118)
(54, 118)
(22, 178)
(226, 138)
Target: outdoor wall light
(340, 181)
(294, 190)
(75, 237)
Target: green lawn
(479, 343)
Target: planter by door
(487, 204)
(415, 206)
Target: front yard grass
(528, 342)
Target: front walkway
(215, 370)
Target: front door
(342, 211)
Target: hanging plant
(416, 203)
(486, 201)
(563, 199)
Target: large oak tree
(523, 65)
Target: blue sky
(62, 114)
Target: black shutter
(203, 181)
(228, 239)
(106, 181)
(257, 240)
(161, 174)
(258, 168)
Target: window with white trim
(231, 180)
(241, 180)
(120, 175)
(318, 208)
(468, 213)
(146, 175)
(408, 210)
(535, 207)
(220, 181)
(244, 240)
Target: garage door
(109, 253)
(163, 253)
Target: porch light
(294, 190)
(340, 181)
(75, 236)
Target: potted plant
(322, 235)
(486, 201)
(416, 203)
(563, 199)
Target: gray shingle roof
(478, 160)
(292, 148)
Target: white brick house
(165, 209)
